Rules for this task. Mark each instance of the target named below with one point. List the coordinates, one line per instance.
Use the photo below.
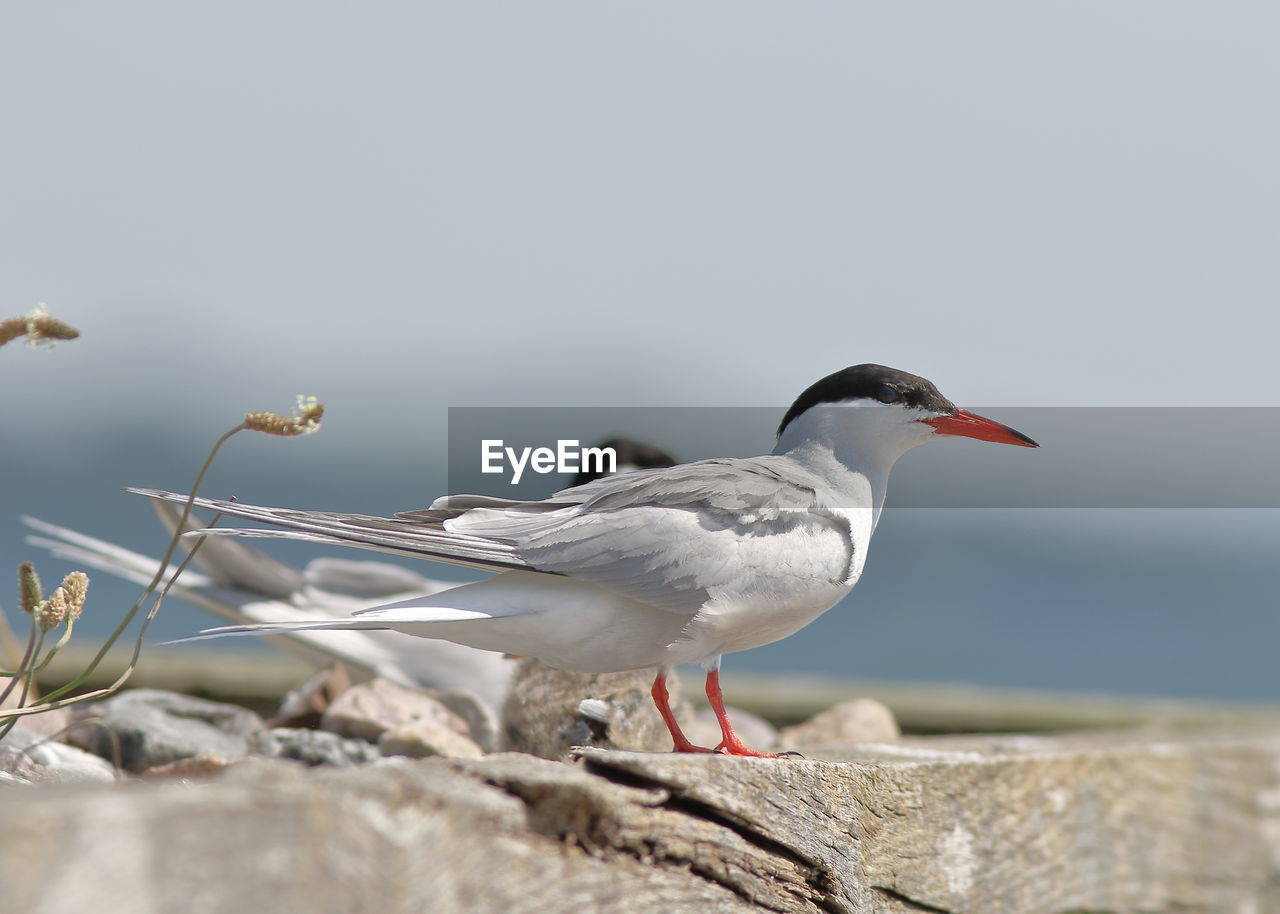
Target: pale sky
(404, 206)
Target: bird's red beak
(971, 425)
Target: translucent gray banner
(1089, 457)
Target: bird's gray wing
(675, 537)
(399, 536)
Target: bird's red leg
(663, 701)
(730, 744)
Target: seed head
(310, 411)
(29, 594)
(38, 327)
(76, 586)
(53, 611)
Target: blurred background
(406, 207)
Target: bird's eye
(887, 394)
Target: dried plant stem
(60, 697)
(55, 700)
(66, 602)
(150, 589)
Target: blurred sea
(1145, 601)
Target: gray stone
(372, 708)
(29, 758)
(550, 711)
(150, 728)
(312, 747)
(425, 741)
(860, 720)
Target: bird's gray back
(679, 537)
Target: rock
(150, 727)
(372, 708)
(752, 729)
(550, 711)
(312, 747)
(28, 758)
(860, 720)
(306, 704)
(197, 766)
(482, 722)
(420, 740)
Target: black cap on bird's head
(890, 387)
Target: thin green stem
(54, 699)
(150, 589)
(12, 715)
(23, 663)
(30, 675)
(58, 645)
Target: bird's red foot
(686, 746)
(736, 747)
(730, 745)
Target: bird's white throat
(847, 443)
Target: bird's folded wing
(672, 538)
(394, 535)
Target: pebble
(427, 741)
(152, 728)
(861, 720)
(368, 710)
(313, 747)
(26, 758)
(198, 766)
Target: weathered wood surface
(1122, 822)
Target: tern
(658, 567)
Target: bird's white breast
(783, 583)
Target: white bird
(657, 567)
